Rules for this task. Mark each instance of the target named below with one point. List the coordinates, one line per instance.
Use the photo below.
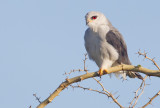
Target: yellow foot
(102, 71)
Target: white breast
(98, 49)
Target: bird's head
(95, 19)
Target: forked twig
(78, 86)
(79, 70)
(105, 92)
(37, 98)
(146, 57)
(141, 87)
(109, 94)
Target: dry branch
(109, 94)
(85, 88)
(150, 101)
(123, 67)
(37, 98)
(146, 57)
(141, 87)
(104, 91)
(80, 70)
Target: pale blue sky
(42, 39)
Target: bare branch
(123, 67)
(89, 89)
(79, 70)
(109, 94)
(135, 99)
(146, 57)
(73, 70)
(37, 98)
(105, 92)
(150, 101)
(84, 61)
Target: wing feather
(114, 38)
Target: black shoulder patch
(116, 40)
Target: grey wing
(114, 38)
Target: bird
(105, 45)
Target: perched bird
(105, 45)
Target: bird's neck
(100, 28)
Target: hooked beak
(88, 21)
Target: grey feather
(114, 38)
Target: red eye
(93, 17)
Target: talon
(102, 71)
(105, 71)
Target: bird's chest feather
(97, 46)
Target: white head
(95, 19)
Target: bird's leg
(102, 71)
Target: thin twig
(110, 95)
(101, 92)
(141, 87)
(146, 57)
(37, 98)
(150, 101)
(79, 70)
(84, 62)
(73, 70)
(78, 86)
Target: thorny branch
(79, 70)
(37, 98)
(135, 99)
(151, 99)
(66, 83)
(84, 88)
(122, 67)
(146, 57)
(109, 94)
(104, 91)
(84, 62)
